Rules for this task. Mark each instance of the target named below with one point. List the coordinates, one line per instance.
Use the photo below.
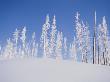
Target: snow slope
(42, 70)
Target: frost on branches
(53, 44)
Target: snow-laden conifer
(65, 50)
(44, 39)
(103, 42)
(23, 40)
(16, 36)
(34, 46)
(86, 43)
(59, 45)
(79, 36)
(72, 50)
(53, 37)
(15, 41)
(8, 50)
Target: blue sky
(32, 13)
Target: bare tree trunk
(103, 59)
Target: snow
(50, 70)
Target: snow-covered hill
(45, 70)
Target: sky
(32, 13)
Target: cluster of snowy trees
(53, 44)
(18, 47)
(95, 49)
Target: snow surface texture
(48, 70)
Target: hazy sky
(32, 13)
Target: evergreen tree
(79, 36)
(65, 48)
(34, 46)
(8, 52)
(100, 44)
(15, 41)
(23, 40)
(53, 38)
(103, 40)
(16, 36)
(73, 50)
(86, 43)
(59, 45)
(44, 40)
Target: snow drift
(43, 70)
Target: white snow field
(48, 70)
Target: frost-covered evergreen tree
(53, 37)
(16, 36)
(44, 40)
(34, 46)
(79, 36)
(72, 50)
(23, 40)
(65, 50)
(103, 42)
(8, 51)
(2, 50)
(23, 37)
(100, 47)
(86, 43)
(15, 41)
(59, 45)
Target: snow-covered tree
(23, 40)
(16, 36)
(83, 40)
(44, 39)
(53, 38)
(23, 37)
(65, 50)
(59, 45)
(103, 42)
(15, 41)
(86, 43)
(36, 50)
(99, 44)
(72, 50)
(34, 46)
(79, 36)
(8, 51)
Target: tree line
(53, 44)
